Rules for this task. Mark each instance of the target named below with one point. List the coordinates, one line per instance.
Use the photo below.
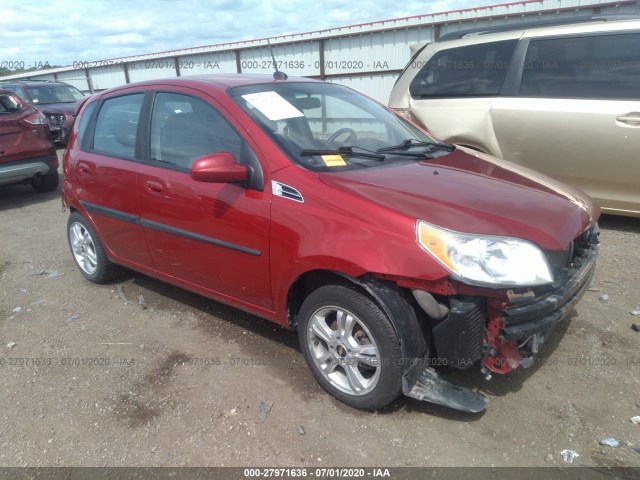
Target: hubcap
(83, 248)
(344, 350)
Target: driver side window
(184, 128)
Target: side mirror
(218, 168)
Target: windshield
(44, 94)
(327, 127)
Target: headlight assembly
(495, 260)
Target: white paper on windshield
(272, 105)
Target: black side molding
(109, 212)
(161, 227)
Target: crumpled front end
(503, 329)
(517, 327)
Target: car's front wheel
(87, 251)
(351, 347)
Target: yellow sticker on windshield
(333, 160)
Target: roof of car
(31, 82)
(225, 80)
(533, 25)
(220, 81)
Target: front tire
(351, 347)
(87, 251)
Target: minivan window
(594, 67)
(474, 70)
(184, 128)
(117, 125)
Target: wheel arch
(396, 302)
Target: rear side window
(474, 70)
(117, 125)
(9, 103)
(594, 67)
(84, 121)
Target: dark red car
(319, 209)
(26, 153)
(56, 100)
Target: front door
(214, 236)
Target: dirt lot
(94, 380)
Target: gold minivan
(561, 99)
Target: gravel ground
(95, 378)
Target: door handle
(83, 167)
(632, 117)
(153, 186)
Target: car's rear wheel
(351, 347)
(45, 183)
(87, 251)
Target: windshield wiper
(410, 143)
(348, 151)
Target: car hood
(68, 108)
(471, 192)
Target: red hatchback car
(315, 207)
(26, 154)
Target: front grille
(56, 121)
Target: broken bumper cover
(492, 331)
(423, 383)
(542, 315)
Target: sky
(37, 32)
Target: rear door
(214, 236)
(105, 167)
(576, 114)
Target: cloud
(68, 31)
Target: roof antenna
(277, 75)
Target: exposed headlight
(504, 261)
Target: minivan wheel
(87, 251)
(351, 347)
(45, 183)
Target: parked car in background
(55, 99)
(317, 208)
(26, 153)
(561, 99)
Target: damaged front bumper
(502, 330)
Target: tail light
(36, 118)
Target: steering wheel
(353, 136)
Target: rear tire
(87, 251)
(351, 347)
(46, 183)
